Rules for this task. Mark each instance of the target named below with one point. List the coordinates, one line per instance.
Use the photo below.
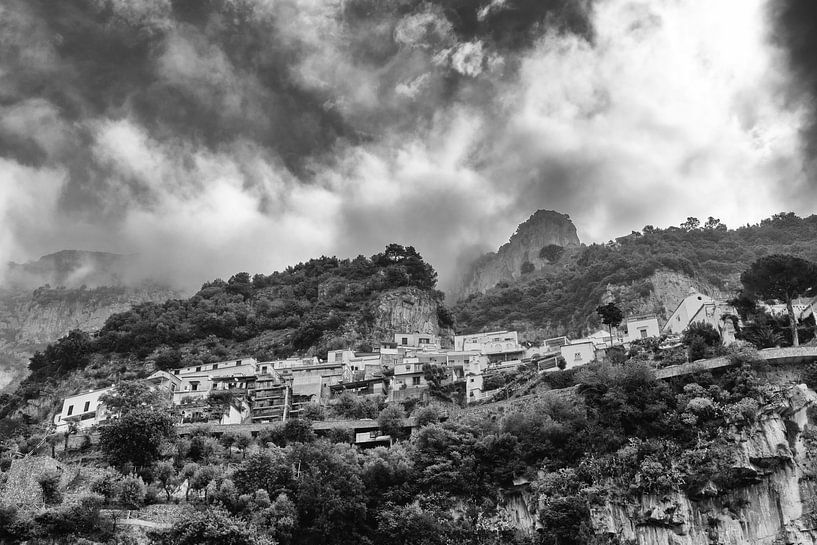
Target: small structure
(83, 410)
(643, 326)
(697, 307)
(424, 341)
(579, 352)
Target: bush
(50, 487)
(132, 492)
(106, 485)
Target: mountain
(309, 308)
(69, 268)
(536, 245)
(643, 272)
(33, 313)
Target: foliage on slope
(563, 301)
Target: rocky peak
(537, 243)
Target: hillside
(322, 304)
(537, 243)
(43, 300)
(648, 271)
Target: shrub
(50, 487)
(132, 492)
(106, 485)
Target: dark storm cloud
(217, 135)
(795, 29)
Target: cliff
(773, 502)
(404, 310)
(533, 244)
(29, 320)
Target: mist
(214, 137)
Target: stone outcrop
(776, 459)
(410, 311)
(29, 320)
(543, 229)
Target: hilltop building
(697, 307)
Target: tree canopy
(782, 278)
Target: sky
(217, 136)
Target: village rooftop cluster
(245, 391)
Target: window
(194, 386)
(198, 369)
(175, 371)
(87, 406)
(263, 369)
(237, 363)
(415, 381)
(423, 341)
(405, 341)
(643, 333)
(70, 410)
(577, 356)
(215, 366)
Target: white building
(641, 327)
(84, 410)
(424, 341)
(580, 352)
(697, 307)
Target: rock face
(661, 293)
(29, 320)
(776, 504)
(544, 229)
(404, 310)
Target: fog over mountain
(214, 136)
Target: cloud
(215, 137)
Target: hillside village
(488, 436)
(414, 367)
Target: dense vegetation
(563, 301)
(296, 310)
(616, 433)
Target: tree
(165, 473)
(781, 277)
(136, 436)
(527, 267)
(611, 316)
(691, 224)
(211, 527)
(390, 421)
(129, 395)
(551, 252)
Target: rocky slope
(31, 318)
(543, 229)
(774, 503)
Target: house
(198, 384)
(408, 380)
(84, 410)
(270, 399)
(498, 346)
(473, 382)
(205, 367)
(554, 345)
(697, 307)
(643, 326)
(579, 352)
(424, 341)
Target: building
(697, 307)
(641, 327)
(269, 399)
(580, 352)
(408, 380)
(554, 345)
(83, 410)
(424, 341)
(205, 367)
(498, 346)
